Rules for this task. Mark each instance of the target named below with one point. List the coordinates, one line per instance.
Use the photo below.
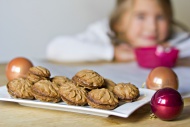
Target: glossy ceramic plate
(123, 110)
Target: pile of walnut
(86, 87)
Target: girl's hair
(124, 5)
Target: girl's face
(146, 25)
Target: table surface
(15, 115)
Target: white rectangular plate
(123, 110)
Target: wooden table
(15, 115)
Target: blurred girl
(133, 23)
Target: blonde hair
(124, 5)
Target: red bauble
(167, 104)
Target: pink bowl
(151, 57)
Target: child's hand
(124, 52)
(165, 44)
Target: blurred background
(27, 26)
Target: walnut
(45, 90)
(72, 94)
(102, 98)
(88, 79)
(126, 92)
(20, 88)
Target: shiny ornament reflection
(162, 77)
(167, 104)
(18, 67)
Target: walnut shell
(20, 88)
(45, 90)
(59, 80)
(102, 98)
(35, 78)
(109, 84)
(72, 94)
(126, 92)
(88, 79)
(40, 71)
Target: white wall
(182, 11)
(26, 26)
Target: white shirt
(94, 44)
